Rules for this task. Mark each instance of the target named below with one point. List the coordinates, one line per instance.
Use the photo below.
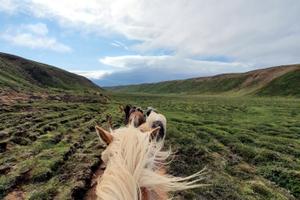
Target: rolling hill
(21, 74)
(274, 81)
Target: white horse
(134, 167)
(155, 120)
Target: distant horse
(133, 115)
(133, 161)
(151, 119)
(155, 120)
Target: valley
(248, 143)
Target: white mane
(132, 163)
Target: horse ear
(127, 107)
(126, 110)
(104, 135)
(154, 132)
(140, 110)
(148, 111)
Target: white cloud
(252, 33)
(115, 44)
(33, 36)
(174, 63)
(119, 44)
(38, 28)
(93, 74)
(243, 30)
(131, 61)
(8, 6)
(137, 68)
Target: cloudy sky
(116, 42)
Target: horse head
(133, 115)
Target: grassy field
(250, 146)
(48, 148)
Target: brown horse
(133, 115)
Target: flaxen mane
(133, 163)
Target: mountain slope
(275, 81)
(19, 73)
(287, 84)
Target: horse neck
(121, 179)
(117, 183)
(122, 187)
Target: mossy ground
(250, 146)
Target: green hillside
(275, 81)
(288, 84)
(21, 74)
(48, 147)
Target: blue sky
(117, 42)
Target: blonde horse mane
(133, 162)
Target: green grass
(51, 148)
(288, 84)
(250, 146)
